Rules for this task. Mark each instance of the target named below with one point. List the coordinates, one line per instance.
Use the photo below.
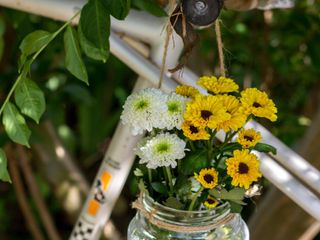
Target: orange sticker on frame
(93, 207)
(105, 180)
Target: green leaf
(263, 147)
(94, 30)
(90, 50)
(194, 162)
(236, 194)
(30, 99)
(159, 187)
(15, 125)
(4, 175)
(142, 186)
(34, 42)
(73, 60)
(173, 203)
(118, 8)
(182, 186)
(149, 6)
(235, 207)
(231, 147)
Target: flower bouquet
(183, 167)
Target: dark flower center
(193, 129)
(208, 178)
(210, 201)
(256, 105)
(206, 114)
(248, 138)
(243, 168)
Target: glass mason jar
(158, 222)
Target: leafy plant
(182, 163)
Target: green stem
(210, 146)
(54, 35)
(179, 165)
(169, 181)
(194, 199)
(10, 93)
(150, 175)
(150, 181)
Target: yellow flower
(216, 86)
(187, 91)
(206, 111)
(207, 177)
(257, 103)
(243, 167)
(211, 202)
(237, 116)
(194, 133)
(248, 138)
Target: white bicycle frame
(279, 170)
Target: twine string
(166, 44)
(220, 48)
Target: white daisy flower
(173, 117)
(162, 150)
(143, 109)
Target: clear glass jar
(158, 222)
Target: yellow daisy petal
(207, 177)
(187, 91)
(194, 133)
(216, 86)
(206, 111)
(243, 167)
(248, 138)
(237, 116)
(257, 103)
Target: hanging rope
(166, 44)
(220, 48)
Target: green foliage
(34, 41)
(74, 61)
(118, 8)
(15, 125)
(172, 202)
(30, 99)
(159, 187)
(263, 147)
(235, 195)
(194, 162)
(4, 175)
(94, 30)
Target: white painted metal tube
(109, 181)
(290, 159)
(61, 10)
(289, 185)
(138, 63)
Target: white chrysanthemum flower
(173, 117)
(162, 150)
(143, 109)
